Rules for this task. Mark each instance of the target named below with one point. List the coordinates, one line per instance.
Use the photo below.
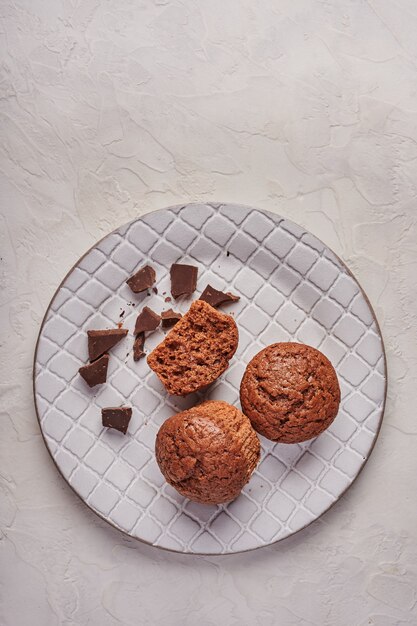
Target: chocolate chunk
(216, 298)
(147, 320)
(95, 373)
(142, 280)
(117, 417)
(170, 318)
(101, 341)
(183, 279)
(138, 346)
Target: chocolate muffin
(196, 351)
(290, 392)
(208, 452)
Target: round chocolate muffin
(290, 392)
(208, 452)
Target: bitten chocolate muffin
(196, 351)
(290, 392)
(208, 453)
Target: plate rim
(216, 206)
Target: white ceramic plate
(292, 288)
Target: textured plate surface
(292, 288)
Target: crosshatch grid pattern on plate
(292, 288)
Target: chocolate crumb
(95, 373)
(228, 253)
(183, 279)
(116, 417)
(138, 346)
(142, 280)
(147, 320)
(216, 298)
(168, 299)
(122, 313)
(155, 289)
(170, 318)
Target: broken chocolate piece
(95, 373)
(183, 279)
(117, 417)
(142, 280)
(138, 346)
(147, 320)
(170, 318)
(216, 298)
(101, 341)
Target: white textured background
(112, 108)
